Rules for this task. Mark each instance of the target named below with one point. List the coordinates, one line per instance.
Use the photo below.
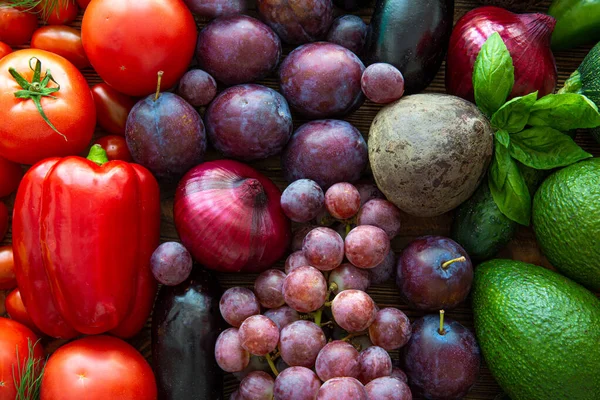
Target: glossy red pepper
(83, 235)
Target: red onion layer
(228, 215)
(527, 37)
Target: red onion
(527, 37)
(228, 216)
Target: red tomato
(98, 368)
(129, 41)
(3, 220)
(83, 3)
(16, 339)
(62, 40)
(10, 177)
(65, 12)
(25, 137)
(112, 108)
(16, 26)
(4, 49)
(17, 311)
(115, 147)
(7, 269)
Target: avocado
(566, 220)
(539, 332)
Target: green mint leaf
(514, 114)
(502, 137)
(493, 75)
(545, 148)
(564, 112)
(510, 194)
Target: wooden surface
(522, 248)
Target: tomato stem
(160, 75)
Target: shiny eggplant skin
(413, 36)
(185, 326)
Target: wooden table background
(523, 247)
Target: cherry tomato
(62, 40)
(65, 12)
(7, 268)
(98, 368)
(4, 49)
(3, 220)
(83, 3)
(25, 137)
(115, 147)
(17, 311)
(129, 41)
(10, 177)
(112, 108)
(16, 26)
(17, 341)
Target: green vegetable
(514, 114)
(576, 23)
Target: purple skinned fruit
(349, 31)
(216, 8)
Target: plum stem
(272, 365)
(450, 262)
(160, 75)
(442, 331)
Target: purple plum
(349, 31)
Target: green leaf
(493, 75)
(514, 114)
(564, 112)
(509, 190)
(545, 148)
(503, 137)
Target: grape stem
(442, 331)
(318, 315)
(450, 262)
(160, 75)
(272, 365)
(352, 335)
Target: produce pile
(180, 137)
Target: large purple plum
(322, 80)
(297, 21)
(326, 151)
(249, 122)
(349, 31)
(216, 8)
(238, 49)
(165, 135)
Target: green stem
(442, 331)
(97, 155)
(573, 84)
(272, 365)
(318, 315)
(450, 262)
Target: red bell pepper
(83, 234)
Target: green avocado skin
(539, 332)
(566, 220)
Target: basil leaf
(510, 194)
(514, 114)
(493, 75)
(503, 137)
(564, 112)
(545, 148)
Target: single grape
(384, 271)
(299, 235)
(305, 289)
(342, 200)
(374, 363)
(257, 385)
(366, 246)
(302, 200)
(197, 88)
(388, 388)
(323, 248)
(347, 276)
(337, 359)
(346, 388)
(353, 310)
(368, 191)
(237, 304)
(296, 260)
(296, 383)
(259, 335)
(349, 31)
(391, 329)
(399, 374)
(382, 83)
(268, 286)
(256, 364)
(229, 353)
(171, 263)
(300, 343)
(382, 214)
(282, 316)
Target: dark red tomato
(65, 12)
(62, 40)
(16, 26)
(7, 269)
(17, 312)
(98, 368)
(4, 49)
(112, 108)
(115, 147)
(24, 135)
(129, 41)
(3, 220)
(10, 176)
(83, 3)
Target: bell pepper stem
(97, 154)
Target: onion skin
(228, 215)
(527, 37)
